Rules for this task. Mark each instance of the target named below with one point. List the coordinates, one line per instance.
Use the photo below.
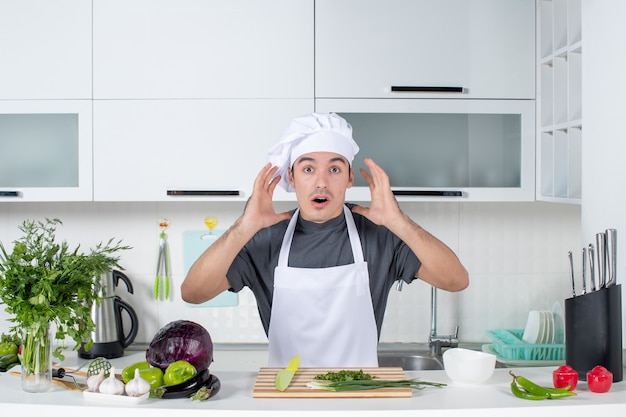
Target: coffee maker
(109, 337)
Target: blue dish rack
(508, 344)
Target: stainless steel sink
(410, 361)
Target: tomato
(565, 376)
(599, 379)
(178, 372)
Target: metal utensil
(584, 271)
(61, 373)
(592, 269)
(571, 272)
(163, 264)
(611, 257)
(601, 257)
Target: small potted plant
(49, 290)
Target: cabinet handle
(428, 193)
(9, 193)
(218, 193)
(425, 89)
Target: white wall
(515, 253)
(604, 141)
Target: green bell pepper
(128, 373)
(8, 345)
(178, 372)
(153, 375)
(146, 371)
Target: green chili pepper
(526, 389)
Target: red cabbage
(181, 340)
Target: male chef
(321, 273)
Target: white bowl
(468, 366)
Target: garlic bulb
(94, 381)
(112, 385)
(137, 386)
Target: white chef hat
(315, 132)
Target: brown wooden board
(265, 388)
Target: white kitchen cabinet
(45, 49)
(483, 48)
(193, 49)
(559, 101)
(444, 150)
(45, 150)
(185, 150)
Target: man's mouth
(320, 200)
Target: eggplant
(209, 390)
(202, 379)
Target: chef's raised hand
(207, 276)
(439, 265)
(384, 209)
(259, 211)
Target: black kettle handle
(117, 275)
(124, 339)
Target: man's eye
(335, 170)
(308, 169)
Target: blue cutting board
(193, 246)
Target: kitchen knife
(601, 258)
(611, 257)
(284, 376)
(571, 272)
(592, 269)
(584, 271)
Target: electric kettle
(109, 337)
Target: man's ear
(290, 174)
(351, 179)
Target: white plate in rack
(534, 327)
(559, 322)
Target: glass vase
(36, 358)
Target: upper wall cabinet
(45, 150)
(45, 49)
(444, 150)
(203, 49)
(185, 150)
(425, 48)
(559, 101)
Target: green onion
(371, 384)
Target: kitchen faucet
(435, 341)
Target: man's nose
(321, 180)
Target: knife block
(593, 331)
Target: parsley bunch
(43, 282)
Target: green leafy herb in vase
(46, 285)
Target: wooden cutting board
(264, 386)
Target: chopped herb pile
(344, 375)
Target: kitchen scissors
(163, 264)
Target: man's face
(321, 180)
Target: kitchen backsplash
(515, 254)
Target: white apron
(325, 315)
